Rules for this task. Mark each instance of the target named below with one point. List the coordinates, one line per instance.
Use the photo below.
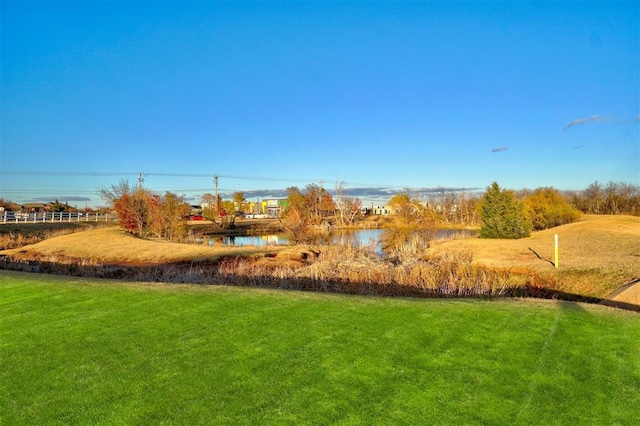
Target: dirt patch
(627, 296)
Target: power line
(45, 191)
(70, 174)
(187, 175)
(147, 174)
(54, 191)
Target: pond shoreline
(225, 272)
(357, 237)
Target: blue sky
(380, 95)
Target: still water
(356, 237)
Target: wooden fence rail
(8, 217)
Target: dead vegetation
(338, 269)
(597, 255)
(18, 235)
(113, 246)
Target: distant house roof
(30, 206)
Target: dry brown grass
(597, 254)
(114, 253)
(345, 269)
(113, 245)
(18, 235)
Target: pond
(356, 237)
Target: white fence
(8, 217)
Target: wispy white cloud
(593, 119)
(500, 149)
(600, 119)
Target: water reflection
(357, 237)
(246, 240)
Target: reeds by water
(340, 268)
(346, 269)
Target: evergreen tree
(503, 216)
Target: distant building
(273, 207)
(376, 210)
(34, 207)
(382, 210)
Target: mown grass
(104, 352)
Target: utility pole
(140, 181)
(319, 200)
(215, 193)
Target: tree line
(500, 213)
(609, 198)
(505, 214)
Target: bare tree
(594, 196)
(115, 191)
(348, 207)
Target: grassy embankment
(596, 255)
(90, 351)
(112, 245)
(21, 234)
(112, 253)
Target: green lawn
(77, 351)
